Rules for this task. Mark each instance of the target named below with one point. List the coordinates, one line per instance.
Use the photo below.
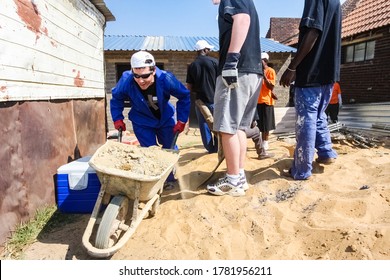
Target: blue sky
(185, 17)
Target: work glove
(229, 70)
(179, 127)
(120, 124)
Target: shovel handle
(174, 140)
(120, 134)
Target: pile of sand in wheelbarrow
(150, 161)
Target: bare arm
(308, 42)
(240, 29)
(268, 84)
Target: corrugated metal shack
(52, 97)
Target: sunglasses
(143, 76)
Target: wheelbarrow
(132, 180)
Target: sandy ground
(341, 213)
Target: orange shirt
(335, 94)
(265, 93)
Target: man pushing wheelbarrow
(152, 115)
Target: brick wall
(280, 62)
(368, 81)
(283, 30)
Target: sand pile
(131, 159)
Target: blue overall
(311, 129)
(147, 128)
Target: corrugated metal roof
(175, 43)
(268, 45)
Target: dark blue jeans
(311, 128)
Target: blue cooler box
(77, 187)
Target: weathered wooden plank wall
(52, 98)
(47, 45)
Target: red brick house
(365, 68)
(284, 30)
(365, 61)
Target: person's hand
(179, 127)
(120, 124)
(229, 70)
(287, 77)
(274, 96)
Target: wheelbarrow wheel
(114, 216)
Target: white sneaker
(265, 145)
(264, 154)
(225, 186)
(244, 182)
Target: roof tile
(364, 15)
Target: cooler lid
(78, 165)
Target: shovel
(170, 187)
(120, 135)
(174, 140)
(221, 157)
(210, 120)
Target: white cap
(264, 55)
(142, 59)
(202, 44)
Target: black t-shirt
(250, 61)
(151, 98)
(322, 64)
(202, 74)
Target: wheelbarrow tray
(122, 169)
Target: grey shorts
(235, 108)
